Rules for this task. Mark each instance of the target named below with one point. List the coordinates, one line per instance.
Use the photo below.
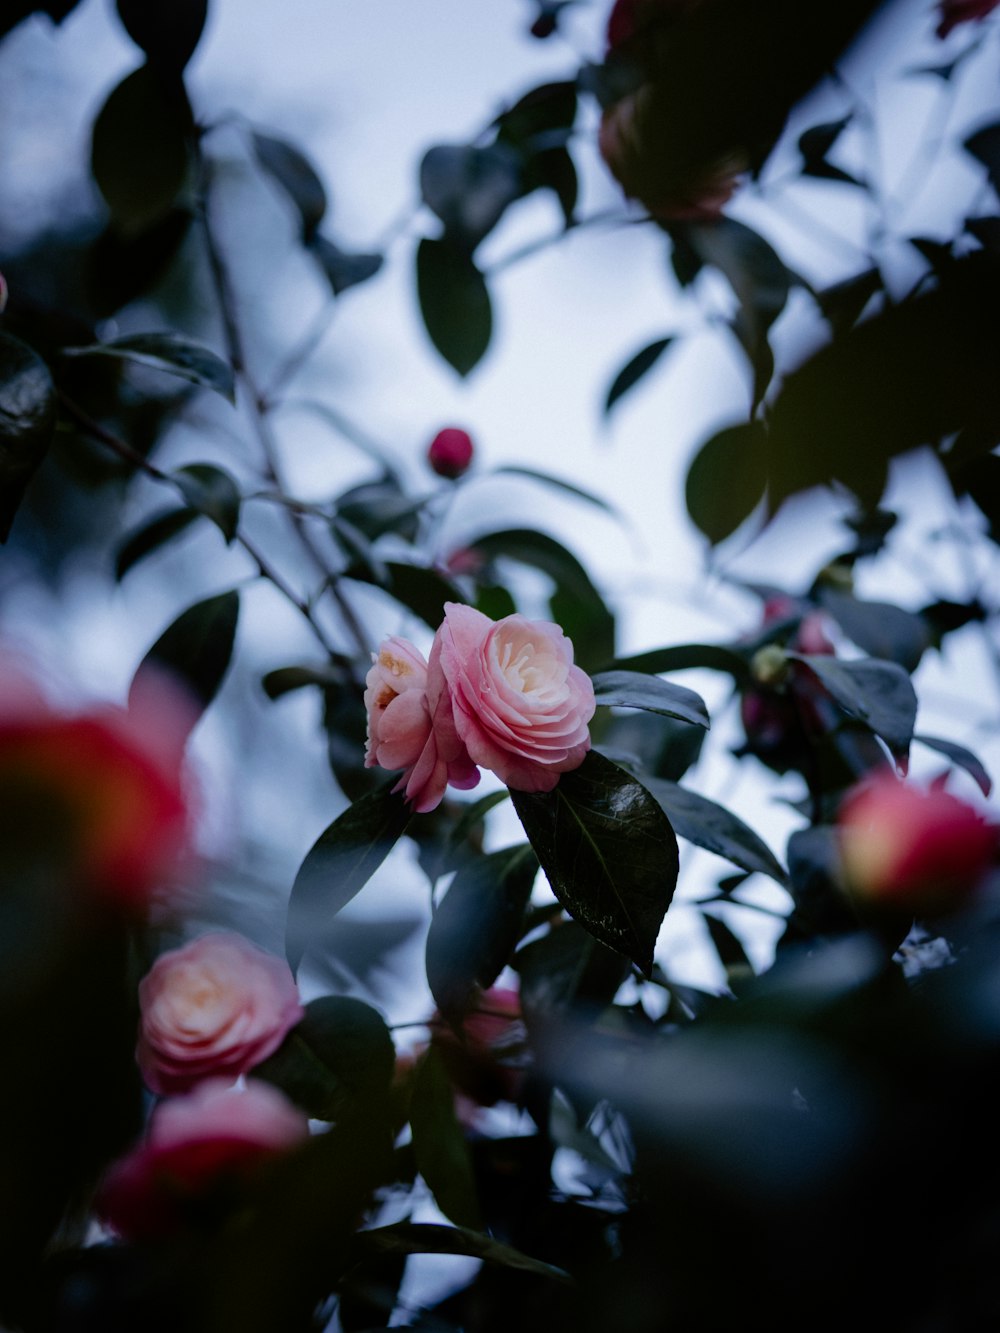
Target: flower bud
(450, 452)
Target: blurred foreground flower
(196, 1145)
(216, 1006)
(954, 12)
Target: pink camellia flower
(954, 12)
(410, 726)
(195, 1146)
(216, 1006)
(519, 704)
(450, 452)
(916, 848)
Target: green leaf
(469, 188)
(564, 969)
(636, 689)
(139, 150)
(195, 651)
(984, 145)
(442, 1155)
(633, 370)
(434, 1238)
(477, 925)
(557, 483)
(150, 536)
(726, 480)
(340, 863)
(378, 507)
(172, 353)
(340, 1056)
(343, 268)
(959, 755)
(422, 591)
(709, 825)
(843, 303)
(879, 628)
(27, 420)
(879, 694)
(608, 852)
(686, 657)
(814, 145)
(292, 170)
(212, 492)
(167, 31)
(728, 946)
(455, 303)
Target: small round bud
(769, 665)
(450, 452)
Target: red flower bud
(450, 452)
(954, 12)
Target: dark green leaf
(636, 689)
(356, 546)
(378, 507)
(167, 31)
(27, 420)
(707, 824)
(194, 651)
(454, 302)
(959, 755)
(555, 170)
(984, 145)
(726, 480)
(345, 268)
(283, 680)
(470, 188)
(476, 926)
(879, 694)
(442, 1155)
(494, 601)
(817, 141)
(608, 852)
(214, 493)
(340, 863)
(633, 370)
(844, 303)
(139, 151)
(879, 628)
(566, 968)
(686, 657)
(150, 537)
(758, 276)
(732, 954)
(557, 483)
(433, 1238)
(649, 743)
(547, 108)
(986, 231)
(296, 175)
(122, 268)
(422, 591)
(340, 1056)
(172, 353)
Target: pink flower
(486, 1060)
(410, 726)
(954, 12)
(216, 1006)
(195, 1145)
(450, 452)
(920, 849)
(518, 702)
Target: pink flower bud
(485, 1060)
(450, 452)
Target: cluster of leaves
(723, 1143)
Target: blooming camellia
(216, 1006)
(195, 1143)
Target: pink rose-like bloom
(520, 705)
(216, 1006)
(450, 452)
(410, 726)
(954, 12)
(920, 849)
(196, 1143)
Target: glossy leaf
(726, 480)
(150, 536)
(340, 863)
(194, 651)
(880, 628)
(167, 31)
(422, 591)
(566, 969)
(344, 269)
(27, 420)
(434, 1238)
(172, 353)
(879, 694)
(442, 1155)
(340, 1056)
(633, 371)
(709, 825)
(636, 689)
(292, 170)
(687, 657)
(477, 925)
(213, 492)
(469, 188)
(454, 302)
(962, 757)
(608, 852)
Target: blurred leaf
(637, 689)
(494, 601)
(879, 628)
(344, 268)
(283, 680)
(340, 863)
(476, 926)
(378, 507)
(169, 352)
(454, 302)
(633, 370)
(366, 561)
(707, 824)
(879, 694)
(27, 421)
(442, 1155)
(339, 1056)
(195, 650)
(538, 113)
(844, 303)
(608, 852)
(16, 11)
(433, 1238)
(649, 743)
(167, 31)
(121, 268)
(728, 946)
(139, 151)
(566, 968)
(726, 480)
(555, 170)
(469, 188)
(292, 170)
(687, 657)
(213, 492)
(986, 230)
(959, 755)
(557, 483)
(150, 536)
(422, 591)
(984, 145)
(815, 143)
